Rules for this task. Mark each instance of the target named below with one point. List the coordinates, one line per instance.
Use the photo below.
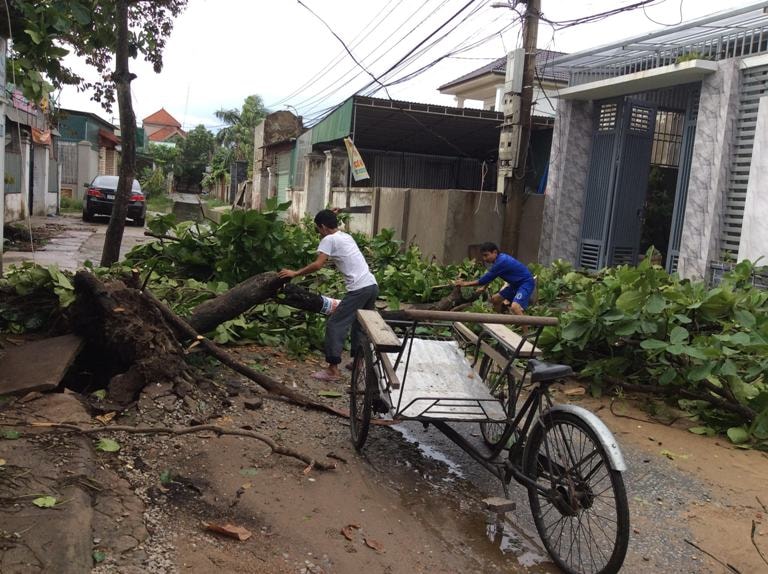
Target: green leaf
(249, 471)
(330, 394)
(700, 372)
(630, 301)
(81, 14)
(655, 304)
(667, 376)
(745, 318)
(574, 330)
(694, 352)
(684, 319)
(34, 36)
(738, 435)
(45, 502)
(702, 431)
(10, 434)
(653, 344)
(675, 349)
(108, 445)
(678, 335)
(166, 477)
(101, 394)
(99, 556)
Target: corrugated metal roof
(544, 69)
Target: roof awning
(664, 77)
(109, 136)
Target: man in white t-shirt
(362, 288)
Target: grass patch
(215, 202)
(161, 203)
(69, 204)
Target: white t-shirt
(345, 254)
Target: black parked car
(100, 197)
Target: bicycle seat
(541, 371)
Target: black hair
(328, 218)
(488, 247)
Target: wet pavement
(79, 242)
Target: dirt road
(408, 504)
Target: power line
(343, 81)
(351, 55)
(332, 63)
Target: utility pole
(516, 129)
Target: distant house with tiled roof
(486, 84)
(162, 127)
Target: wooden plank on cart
(465, 332)
(499, 505)
(389, 370)
(382, 336)
(512, 340)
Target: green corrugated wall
(336, 126)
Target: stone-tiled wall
(564, 200)
(754, 231)
(708, 182)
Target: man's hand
(287, 273)
(461, 283)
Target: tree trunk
(257, 289)
(122, 78)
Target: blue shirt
(509, 269)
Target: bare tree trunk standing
(122, 78)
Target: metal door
(617, 182)
(683, 176)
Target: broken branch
(276, 448)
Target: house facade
(661, 140)
(88, 146)
(162, 128)
(432, 173)
(487, 84)
(31, 180)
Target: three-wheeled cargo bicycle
(447, 369)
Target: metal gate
(683, 177)
(617, 182)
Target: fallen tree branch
(741, 410)
(266, 382)
(276, 448)
(754, 543)
(727, 566)
(161, 236)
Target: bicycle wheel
(361, 393)
(581, 512)
(498, 384)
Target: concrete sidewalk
(77, 243)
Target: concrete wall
(753, 243)
(710, 166)
(447, 224)
(40, 200)
(87, 166)
(566, 185)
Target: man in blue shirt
(520, 282)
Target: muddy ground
(409, 504)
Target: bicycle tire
(494, 434)
(564, 456)
(362, 387)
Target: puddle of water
(510, 540)
(429, 451)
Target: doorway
(637, 179)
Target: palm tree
(237, 133)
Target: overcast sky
(221, 51)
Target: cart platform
(441, 385)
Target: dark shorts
(520, 295)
